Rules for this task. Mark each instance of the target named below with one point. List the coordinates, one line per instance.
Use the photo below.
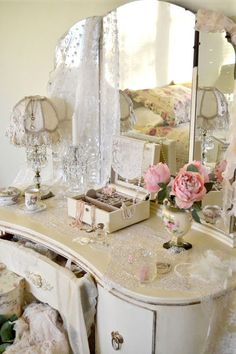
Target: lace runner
(201, 272)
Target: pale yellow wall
(28, 35)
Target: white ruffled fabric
(39, 331)
(215, 21)
(75, 299)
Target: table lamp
(34, 125)
(212, 115)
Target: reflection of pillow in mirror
(172, 102)
(147, 118)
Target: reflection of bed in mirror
(155, 57)
(164, 114)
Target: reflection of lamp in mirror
(212, 116)
(34, 125)
(127, 116)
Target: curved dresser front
(183, 311)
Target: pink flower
(219, 169)
(201, 168)
(156, 174)
(188, 187)
(152, 131)
(109, 190)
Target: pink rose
(201, 168)
(219, 169)
(156, 174)
(188, 187)
(152, 131)
(109, 190)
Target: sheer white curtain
(86, 79)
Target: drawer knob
(116, 340)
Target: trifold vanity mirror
(146, 49)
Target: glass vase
(177, 222)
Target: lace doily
(202, 273)
(128, 157)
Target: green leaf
(161, 195)
(192, 168)
(208, 186)
(196, 216)
(197, 206)
(13, 318)
(3, 347)
(7, 332)
(2, 320)
(162, 185)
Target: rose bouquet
(184, 191)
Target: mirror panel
(155, 44)
(155, 55)
(213, 114)
(215, 96)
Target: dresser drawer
(74, 298)
(122, 327)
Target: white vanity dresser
(188, 310)
(150, 299)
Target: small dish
(9, 196)
(40, 207)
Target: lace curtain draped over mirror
(214, 21)
(86, 78)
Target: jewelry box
(125, 201)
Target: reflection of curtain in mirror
(155, 44)
(86, 77)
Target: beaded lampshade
(212, 109)
(34, 125)
(212, 117)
